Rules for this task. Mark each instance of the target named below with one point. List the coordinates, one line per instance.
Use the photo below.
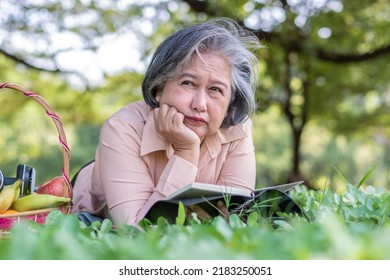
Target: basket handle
(58, 123)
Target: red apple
(56, 186)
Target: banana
(36, 201)
(17, 191)
(9, 195)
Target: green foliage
(353, 225)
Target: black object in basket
(26, 174)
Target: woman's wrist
(190, 155)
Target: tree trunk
(295, 173)
(297, 121)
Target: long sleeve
(239, 167)
(126, 176)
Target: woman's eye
(216, 89)
(186, 83)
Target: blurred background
(323, 94)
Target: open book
(266, 200)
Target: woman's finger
(203, 215)
(188, 212)
(222, 207)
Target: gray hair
(222, 36)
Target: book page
(282, 188)
(196, 190)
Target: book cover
(237, 199)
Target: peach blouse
(134, 165)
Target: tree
(324, 61)
(321, 55)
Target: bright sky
(116, 52)
(114, 55)
(121, 52)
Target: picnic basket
(39, 216)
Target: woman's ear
(158, 95)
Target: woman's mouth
(196, 120)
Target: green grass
(354, 225)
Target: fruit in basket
(56, 186)
(10, 211)
(9, 195)
(35, 201)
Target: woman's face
(201, 93)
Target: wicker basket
(39, 216)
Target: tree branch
(345, 58)
(203, 7)
(25, 63)
(200, 7)
(31, 66)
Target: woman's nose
(199, 101)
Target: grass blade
(181, 215)
(367, 175)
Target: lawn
(353, 225)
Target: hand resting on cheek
(170, 124)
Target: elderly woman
(193, 126)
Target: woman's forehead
(208, 61)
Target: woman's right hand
(170, 124)
(203, 215)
